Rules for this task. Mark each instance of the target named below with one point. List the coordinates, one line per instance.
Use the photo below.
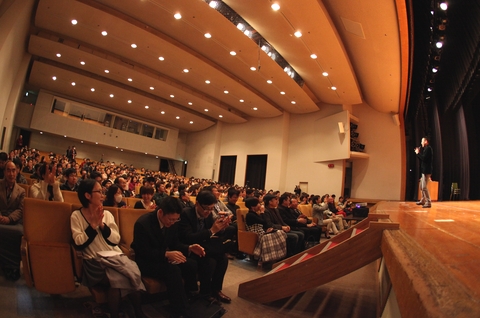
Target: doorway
(256, 171)
(228, 164)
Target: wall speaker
(341, 128)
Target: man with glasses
(199, 226)
(160, 255)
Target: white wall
(44, 120)
(14, 27)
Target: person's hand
(270, 229)
(286, 229)
(4, 220)
(175, 257)
(49, 175)
(220, 224)
(197, 249)
(302, 220)
(417, 150)
(311, 225)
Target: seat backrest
(241, 213)
(306, 209)
(126, 220)
(26, 187)
(47, 221)
(70, 197)
(241, 204)
(131, 201)
(454, 186)
(193, 199)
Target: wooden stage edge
(434, 259)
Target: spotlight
(443, 6)
(434, 70)
(439, 44)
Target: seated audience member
(3, 160)
(122, 184)
(185, 200)
(114, 197)
(146, 201)
(249, 193)
(296, 220)
(47, 188)
(71, 180)
(295, 239)
(11, 218)
(271, 244)
(105, 185)
(197, 226)
(161, 193)
(320, 211)
(36, 173)
(20, 178)
(232, 197)
(97, 176)
(93, 231)
(333, 208)
(160, 255)
(344, 205)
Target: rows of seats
(50, 264)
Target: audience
(114, 197)
(146, 201)
(47, 188)
(71, 180)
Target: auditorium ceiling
(188, 64)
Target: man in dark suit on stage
(159, 254)
(425, 154)
(197, 225)
(11, 219)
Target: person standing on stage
(425, 154)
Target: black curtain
(256, 171)
(228, 164)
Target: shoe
(12, 274)
(427, 206)
(419, 203)
(222, 297)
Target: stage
(448, 251)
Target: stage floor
(449, 231)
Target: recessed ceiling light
(81, 141)
(129, 101)
(443, 6)
(96, 143)
(253, 68)
(334, 88)
(129, 79)
(298, 34)
(161, 58)
(107, 71)
(325, 74)
(104, 33)
(283, 93)
(434, 70)
(172, 96)
(146, 153)
(207, 81)
(429, 89)
(147, 107)
(111, 95)
(134, 46)
(255, 108)
(92, 89)
(439, 44)
(74, 22)
(121, 149)
(293, 102)
(269, 81)
(54, 78)
(275, 6)
(73, 84)
(191, 121)
(177, 16)
(206, 109)
(156, 157)
(185, 70)
(226, 92)
(213, 4)
(59, 55)
(65, 136)
(241, 101)
(313, 56)
(221, 116)
(233, 53)
(82, 62)
(41, 133)
(152, 88)
(208, 35)
(178, 117)
(162, 112)
(190, 103)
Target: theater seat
(70, 197)
(246, 240)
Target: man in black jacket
(425, 154)
(160, 255)
(296, 220)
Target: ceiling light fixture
(54, 78)
(241, 101)
(429, 89)
(190, 103)
(269, 82)
(333, 88)
(147, 107)
(104, 33)
(233, 53)
(73, 84)
(283, 93)
(177, 16)
(434, 70)
(162, 112)
(293, 102)
(129, 101)
(134, 46)
(241, 26)
(226, 92)
(172, 96)
(221, 116)
(207, 81)
(439, 44)
(185, 70)
(253, 68)
(92, 89)
(313, 56)
(255, 108)
(206, 109)
(152, 88)
(107, 71)
(74, 22)
(82, 62)
(213, 4)
(129, 79)
(325, 74)
(161, 58)
(298, 34)
(443, 6)
(111, 95)
(191, 121)
(59, 55)
(178, 117)
(275, 7)
(208, 35)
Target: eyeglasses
(99, 191)
(174, 220)
(207, 209)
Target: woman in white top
(47, 188)
(94, 230)
(318, 211)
